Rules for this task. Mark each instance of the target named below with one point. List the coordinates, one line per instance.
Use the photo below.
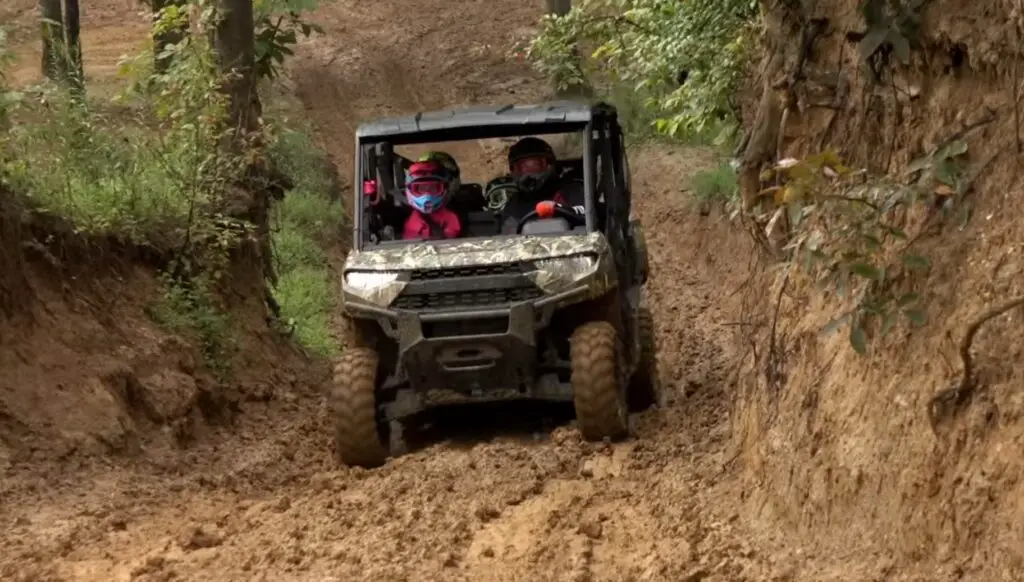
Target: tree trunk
(559, 7)
(54, 48)
(166, 37)
(236, 54)
(73, 69)
(234, 42)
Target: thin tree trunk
(52, 19)
(73, 69)
(559, 7)
(234, 45)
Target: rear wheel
(645, 385)
(353, 405)
(597, 381)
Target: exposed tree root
(950, 401)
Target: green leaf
(946, 172)
(858, 339)
(915, 262)
(867, 271)
(908, 298)
(953, 149)
(896, 232)
(872, 41)
(888, 320)
(916, 316)
(900, 45)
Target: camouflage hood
(434, 255)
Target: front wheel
(597, 382)
(353, 405)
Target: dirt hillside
(845, 443)
(119, 462)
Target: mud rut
(515, 496)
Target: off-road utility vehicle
(555, 312)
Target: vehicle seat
(469, 198)
(571, 168)
(481, 223)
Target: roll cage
(603, 167)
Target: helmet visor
(531, 165)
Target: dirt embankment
(842, 451)
(87, 371)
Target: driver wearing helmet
(535, 170)
(429, 184)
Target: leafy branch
(844, 232)
(685, 58)
(893, 28)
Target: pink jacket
(416, 226)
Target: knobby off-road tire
(645, 386)
(598, 382)
(353, 405)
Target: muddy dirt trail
(506, 498)
(515, 496)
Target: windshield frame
(365, 145)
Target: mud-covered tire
(353, 406)
(598, 382)
(645, 385)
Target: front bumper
(472, 351)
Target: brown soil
(120, 460)
(845, 443)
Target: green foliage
(644, 45)
(716, 185)
(118, 177)
(278, 24)
(8, 97)
(846, 235)
(307, 222)
(161, 177)
(891, 24)
(190, 308)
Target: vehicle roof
(550, 117)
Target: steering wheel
(550, 209)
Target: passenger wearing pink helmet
(428, 186)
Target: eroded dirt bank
(844, 451)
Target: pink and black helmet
(427, 186)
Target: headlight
(555, 275)
(377, 287)
(569, 266)
(369, 280)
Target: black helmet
(532, 162)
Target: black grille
(467, 299)
(465, 327)
(475, 271)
